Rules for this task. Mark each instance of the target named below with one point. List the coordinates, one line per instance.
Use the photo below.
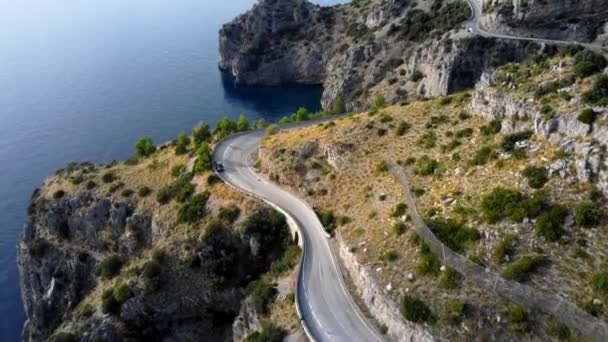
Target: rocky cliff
(554, 19)
(390, 47)
(97, 263)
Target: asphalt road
(327, 309)
(473, 26)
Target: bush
(288, 260)
(455, 311)
(502, 203)
(269, 333)
(427, 140)
(144, 191)
(203, 158)
(242, 124)
(426, 166)
(379, 102)
(90, 185)
(428, 265)
(181, 143)
(339, 106)
(110, 266)
(399, 228)
(63, 337)
(58, 194)
(108, 177)
(261, 293)
(194, 209)
(587, 116)
(144, 147)
(588, 63)
(272, 129)
(399, 210)
(85, 311)
(483, 155)
(224, 127)
(537, 176)
(402, 128)
(229, 214)
(414, 310)
(598, 94)
(390, 255)
(558, 330)
(504, 248)
(522, 267)
(109, 304)
(122, 292)
(212, 179)
(449, 279)
(453, 234)
(492, 128)
(416, 76)
(151, 269)
(327, 218)
(200, 134)
(127, 193)
(181, 189)
(587, 214)
(517, 318)
(549, 224)
(599, 281)
(382, 166)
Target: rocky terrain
(152, 250)
(391, 47)
(510, 174)
(554, 19)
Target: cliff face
(555, 19)
(390, 47)
(97, 265)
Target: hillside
(511, 175)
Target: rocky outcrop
(358, 51)
(584, 141)
(377, 299)
(555, 19)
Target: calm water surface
(83, 79)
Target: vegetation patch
(520, 269)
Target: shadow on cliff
(273, 101)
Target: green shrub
(587, 116)
(203, 158)
(453, 234)
(144, 147)
(181, 189)
(177, 170)
(549, 224)
(403, 128)
(212, 179)
(558, 330)
(90, 185)
(38, 247)
(418, 192)
(427, 140)
(492, 128)
(504, 248)
(272, 129)
(428, 265)
(339, 106)
(483, 155)
(109, 304)
(522, 267)
(229, 214)
(151, 269)
(288, 260)
(399, 228)
(108, 177)
(426, 166)
(327, 218)
(587, 214)
(269, 333)
(200, 134)
(390, 255)
(379, 102)
(446, 100)
(382, 166)
(127, 193)
(517, 318)
(598, 94)
(537, 176)
(194, 209)
(414, 310)
(110, 266)
(122, 292)
(455, 311)
(416, 76)
(85, 311)
(243, 124)
(181, 143)
(502, 203)
(448, 279)
(399, 210)
(58, 194)
(587, 63)
(144, 191)
(261, 293)
(224, 127)
(599, 281)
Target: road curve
(474, 26)
(327, 310)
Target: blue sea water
(83, 79)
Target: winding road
(325, 306)
(327, 310)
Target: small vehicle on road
(219, 167)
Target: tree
(144, 147)
(302, 115)
(200, 133)
(242, 124)
(339, 105)
(203, 160)
(259, 124)
(181, 144)
(224, 127)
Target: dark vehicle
(219, 167)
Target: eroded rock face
(565, 131)
(356, 53)
(554, 19)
